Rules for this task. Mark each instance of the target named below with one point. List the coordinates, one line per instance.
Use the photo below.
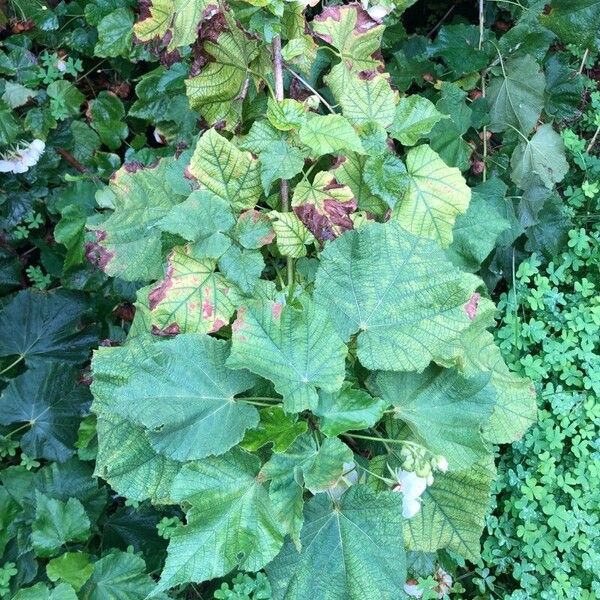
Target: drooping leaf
(351, 31)
(414, 118)
(291, 234)
(50, 399)
(286, 115)
(192, 297)
(57, 523)
(231, 523)
(435, 195)
(329, 134)
(348, 410)
(188, 406)
(45, 327)
(517, 97)
(73, 568)
(275, 427)
(179, 19)
(385, 176)
(575, 22)
(229, 173)
(350, 551)
(444, 410)
(128, 243)
(453, 512)
(324, 205)
(298, 350)
(375, 281)
(540, 158)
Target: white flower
(22, 158)
(378, 12)
(441, 463)
(444, 582)
(411, 486)
(348, 478)
(411, 587)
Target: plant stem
(382, 440)
(13, 364)
(593, 140)
(24, 426)
(284, 186)
(311, 88)
(258, 401)
(481, 23)
(582, 65)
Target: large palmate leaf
(575, 22)
(517, 97)
(414, 118)
(217, 93)
(43, 327)
(231, 523)
(435, 195)
(227, 172)
(192, 297)
(453, 512)
(178, 18)
(542, 157)
(324, 205)
(180, 390)
(127, 460)
(377, 281)
(49, 399)
(354, 35)
(350, 551)
(302, 465)
(128, 242)
(347, 410)
(299, 350)
(444, 410)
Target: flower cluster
(22, 157)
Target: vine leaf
(324, 206)
(180, 390)
(174, 21)
(414, 118)
(128, 243)
(218, 92)
(229, 173)
(329, 134)
(435, 195)
(350, 551)
(444, 410)
(376, 281)
(542, 156)
(348, 410)
(297, 349)
(231, 522)
(355, 36)
(453, 512)
(517, 97)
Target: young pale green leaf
(287, 114)
(49, 399)
(130, 464)
(385, 175)
(192, 297)
(435, 195)
(517, 97)
(229, 173)
(128, 243)
(376, 281)
(218, 91)
(453, 512)
(444, 410)
(575, 22)
(231, 523)
(189, 407)
(348, 410)
(297, 349)
(57, 523)
(291, 234)
(542, 157)
(179, 18)
(414, 118)
(329, 134)
(350, 551)
(275, 427)
(40, 591)
(202, 218)
(73, 568)
(354, 35)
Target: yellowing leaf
(291, 234)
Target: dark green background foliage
(134, 113)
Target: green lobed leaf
(276, 428)
(329, 134)
(575, 22)
(414, 118)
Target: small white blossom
(411, 587)
(411, 486)
(444, 580)
(348, 478)
(22, 158)
(441, 463)
(378, 12)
